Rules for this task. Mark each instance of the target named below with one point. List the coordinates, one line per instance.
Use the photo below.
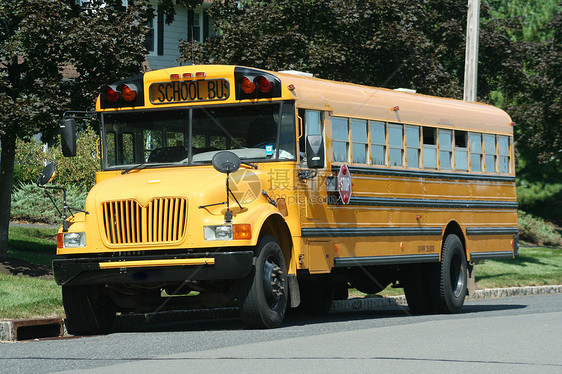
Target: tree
(392, 44)
(103, 41)
(531, 17)
(537, 105)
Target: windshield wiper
(253, 166)
(142, 165)
(138, 166)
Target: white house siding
(173, 33)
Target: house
(163, 39)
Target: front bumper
(152, 269)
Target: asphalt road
(514, 334)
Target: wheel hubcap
(272, 282)
(457, 279)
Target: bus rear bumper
(152, 269)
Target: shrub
(536, 230)
(541, 199)
(30, 203)
(78, 171)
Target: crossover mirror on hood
(46, 175)
(226, 162)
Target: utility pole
(471, 56)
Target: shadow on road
(229, 319)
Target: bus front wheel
(262, 294)
(88, 310)
(450, 282)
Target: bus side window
(490, 153)
(503, 148)
(396, 144)
(429, 148)
(445, 149)
(475, 152)
(413, 146)
(340, 136)
(378, 142)
(360, 141)
(461, 150)
(312, 125)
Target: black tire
(417, 288)
(262, 294)
(316, 296)
(88, 310)
(449, 283)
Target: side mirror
(226, 162)
(46, 175)
(67, 128)
(315, 151)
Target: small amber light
(187, 75)
(395, 109)
(129, 93)
(174, 76)
(242, 231)
(59, 240)
(291, 87)
(247, 86)
(200, 74)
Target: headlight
(219, 232)
(73, 239)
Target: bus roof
(355, 101)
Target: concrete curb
(36, 328)
(378, 302)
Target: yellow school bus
(277, 190)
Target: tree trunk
(6, 178)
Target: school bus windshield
(187, 136)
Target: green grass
(535, 266)
(33, 244)
(26, 297)
(33, 239)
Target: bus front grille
(162, 220)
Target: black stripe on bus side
(315, 232)
(385, 260)
(490, 255)
(430, 203)
(492, 231)
(424, 174)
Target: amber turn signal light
(242, 231)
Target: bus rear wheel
(88, 310)
(262, 294)
(449, 284)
